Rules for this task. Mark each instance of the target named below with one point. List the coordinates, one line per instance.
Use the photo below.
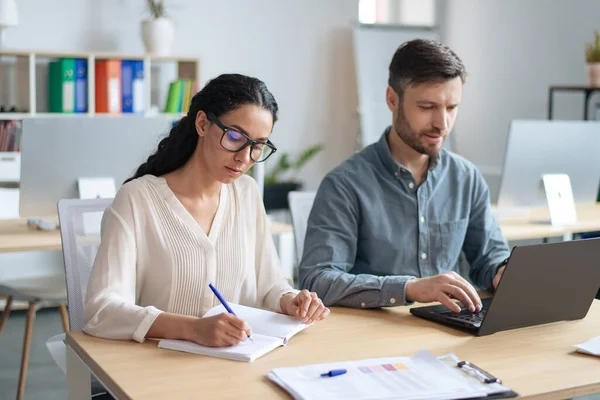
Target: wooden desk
(536, 362)
(16, 236)
(532, 225)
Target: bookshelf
(24, 84)
(30, 89)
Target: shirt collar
(383, 149)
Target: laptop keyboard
(468, 316)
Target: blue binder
(138, 86)
(80, 85)
(127, 86)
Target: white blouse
(155, 257)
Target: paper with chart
(422, 376)
(269, 331)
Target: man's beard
(411, 137)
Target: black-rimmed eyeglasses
(234, 141)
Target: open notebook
(269, 331)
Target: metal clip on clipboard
(475, 370)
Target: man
(388, 225)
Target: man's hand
(443, 288)
(498, 276)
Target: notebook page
(246, 351)
(262, 321)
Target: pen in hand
(222, 300)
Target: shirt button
(396, 174)
(423, 256)
(422, 219)
(363, 305)
(411, 185)
(393, 300)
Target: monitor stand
(559, 196)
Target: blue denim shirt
(371, 229)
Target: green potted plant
(282, 178)
(157, 30)
(592, 58)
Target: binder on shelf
(127, 86)
(174, 97)
(61, 85)
(138, 86)
(187, 96)
(108, 86)
(81, 105)
(179, 96)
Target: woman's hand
(305, 305)
(220, 330)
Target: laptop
(541, 283)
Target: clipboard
(422, 375)
(486, 378)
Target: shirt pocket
(447, 240)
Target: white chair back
(80, 232)
(300, 206)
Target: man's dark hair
(424, 61)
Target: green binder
(175, 96)
(61, 86)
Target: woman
(189, 217)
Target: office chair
(80, 232)
(300, 206)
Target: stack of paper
(422, 376)
(592, 346)
(269, 331)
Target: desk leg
(79, 383)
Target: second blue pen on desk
(222, 300)
(334, 372)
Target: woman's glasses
(234, 141)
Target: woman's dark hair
(219, 96)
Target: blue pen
(222, 300)
(334, 372)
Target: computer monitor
(536, 148)
(55, 152)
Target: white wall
(514, 50)
(302, 49)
